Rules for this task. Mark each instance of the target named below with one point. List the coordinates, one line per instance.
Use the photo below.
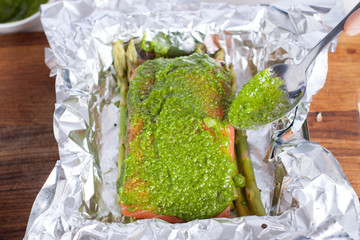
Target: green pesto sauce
(259, 102)
(179, 164)
(14, 10)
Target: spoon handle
(309, 58)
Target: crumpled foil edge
(301, 169)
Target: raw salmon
(145, 214)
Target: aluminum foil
(303, 188)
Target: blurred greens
(14, 10)
(160, 45)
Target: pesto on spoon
(261, 101)
(272, 93)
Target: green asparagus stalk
(131, 58)
(251, 189)
(128, 219)
(200, 48)
(242, 206)
(233, 78)
(236, 194)
(125, 64)
(119, 61)
(220, 55)
(122, 136)
(120, 65)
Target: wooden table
(28, 150)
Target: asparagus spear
(233, 79)
(119, 61)
(251, 189)
(220, 55)
(131, 59)
(242, 206)
(200, 48)
(125, 63)
(121, 67)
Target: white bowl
(28, 24)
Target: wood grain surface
(28, 150)
(338, 102)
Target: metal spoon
(294, 76)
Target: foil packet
(304, 190)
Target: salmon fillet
(215, 108)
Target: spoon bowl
(295, 83)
